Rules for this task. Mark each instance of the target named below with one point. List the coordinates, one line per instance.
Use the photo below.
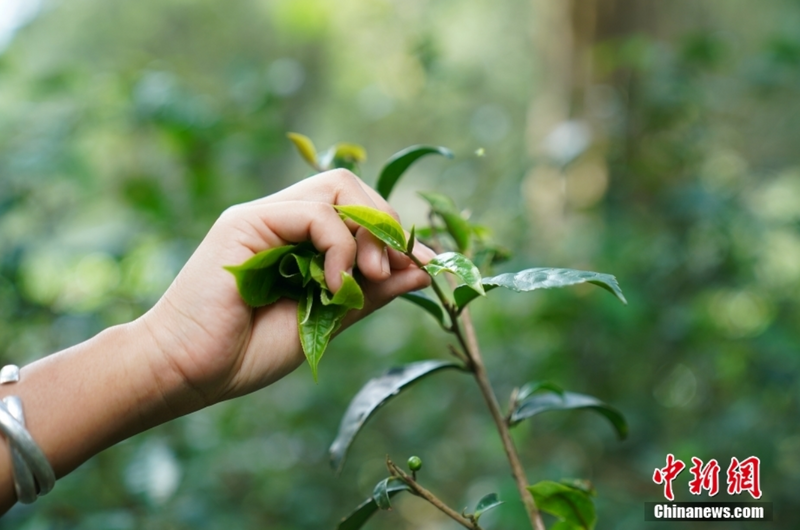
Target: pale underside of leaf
(372, 396)
(367, 509)
(541, 278)
(487, 502)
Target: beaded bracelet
(33, 475)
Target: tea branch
(466, 522)
(471, 350)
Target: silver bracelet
(33, 475)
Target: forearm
(84, 399)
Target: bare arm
(201, 344)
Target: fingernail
(385, 261)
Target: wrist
(162, 348)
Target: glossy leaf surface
(367, 509)
(571, 505)
(372, 396)
(379, 223)
(400, 162)
(541, 278)
(316, 326)
(458, 227)
(459, 265)
(543, 402)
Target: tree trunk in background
(565, 115)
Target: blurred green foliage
(667, 156)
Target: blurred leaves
(123, 139)
(573, 506)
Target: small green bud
(415, 463)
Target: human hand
(212, 343)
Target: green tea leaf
(379, 223)
(487, 502)
(424, 232)
(349, 295)
(296, 265)
(316, 269)
(538, 386)
(399, 162)
(372, 396)
(412, 239)
(461, 266)
(256, 277)
(316, 326)
(569, 504)
(304, 306)
(458, 227)
(581, 484)
(543, 402)
(306, 148)
(427, 303)
(540, 278)
(380, 494)
(367, 509)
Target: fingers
(372, 257)
(257, 227)
(285, 217)
(378, 294)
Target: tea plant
(463, 249)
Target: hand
(220, 348)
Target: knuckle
(336, 178)
(231, 213)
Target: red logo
(667, 474)
(742, 476)
(705, 478)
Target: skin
(200, 344)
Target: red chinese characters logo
(705, 478)
(743, 476)
(667, 474)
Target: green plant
(463, 249)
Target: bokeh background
(657, 141)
